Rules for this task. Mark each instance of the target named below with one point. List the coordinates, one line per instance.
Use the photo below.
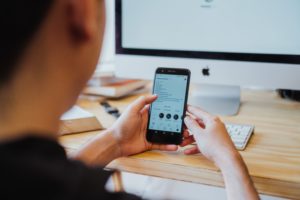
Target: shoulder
(35, 167)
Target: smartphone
(166, 114)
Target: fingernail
(186, 119)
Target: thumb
(142, 101)
(193, 126)
(145, 110)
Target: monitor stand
(216, 99)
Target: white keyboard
(240, 134)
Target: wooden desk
(272, 156)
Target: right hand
(210, 134)
(214, 142)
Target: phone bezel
(166, 137)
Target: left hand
(130, 129)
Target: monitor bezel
(247, 57)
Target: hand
(214, 143)
(210, 134)
(130, 129)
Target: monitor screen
(250, 30)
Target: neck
(24, 115)
(31, 104)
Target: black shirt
(35, 168)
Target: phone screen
(167, 111)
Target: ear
(82, 19)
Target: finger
(201, 123)
(189, 114)
(145, 109)
(140, 103)
(193, 125)
(197, 112)
(190, 151)
(168, 147)
(144, 116)
(184, 126)
(186, 133)
(187, 141)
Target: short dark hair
(19, 20)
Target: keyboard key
(240, 134)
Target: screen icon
(169, 116)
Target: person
(49, 49)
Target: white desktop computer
(225, 44)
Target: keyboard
(240, 134)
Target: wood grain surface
(272, 155)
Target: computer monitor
(224, 43)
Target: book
(78, 120)
(115, 88)
(105, 70)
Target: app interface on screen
(167, 110)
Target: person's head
(49, 48)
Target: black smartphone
(166, 114)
